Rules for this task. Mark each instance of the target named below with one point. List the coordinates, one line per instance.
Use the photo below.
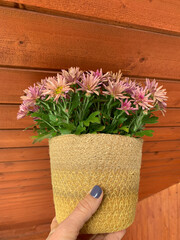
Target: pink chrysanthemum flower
(115, 89)
(56, 87)
(151, 86)
(158, 94)
(25, 108)
(131, 85)
(141, 99)
(72, 75)
(126, 106)
(41, 86)
(115, 76)
(89, 83)
(100, 75)
(32, 93)
(162, 106)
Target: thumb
(82, 213)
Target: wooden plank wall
(157, 217)
(37, 38)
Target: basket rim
(95, 135)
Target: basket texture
(78, 162)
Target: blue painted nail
(96, 191)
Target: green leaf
(128, 135)
(64, 131)
(121, 120)
(98, 128)
(40, 115)
(69, 126)
(39, 138)
(80, 128)
(28, 127)
(44, 103)
(116, 103)
(53, 118)
(92, 118)
(75, 101)
(144, 132)
(115, 131)
(150, 120)
(36, 114)
(125, 128)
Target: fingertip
(96, 192)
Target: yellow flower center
(59, 90)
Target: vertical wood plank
(178, 218)
(165, 210)
(173, 213)
(143, 224)
(157, 217)
(150, 204)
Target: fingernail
(96, 191)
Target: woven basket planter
(78, 162)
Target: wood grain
(22, 179)
(24, 154)
(155, 15)
(27, 208)
(157, 217)
(36, 232)
(21, 166)
(13, 82)
(175, 211)
(85, 44)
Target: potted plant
(95, 123)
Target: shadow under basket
(78, 162)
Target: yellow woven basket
(78, 162)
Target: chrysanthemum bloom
(151, 86)
(23, 110)
(89, 83)
(131, 85)
(100, 75)
(162, 106)
(72, 75)
(141, 99)
(56, 87)
(158, 94)
(126, 106)
(115, 76)
(32, 93)
(41, 86)
(115, 89)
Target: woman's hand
(70, 227)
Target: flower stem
(86, 102)
(49, 124)
(108, 106)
